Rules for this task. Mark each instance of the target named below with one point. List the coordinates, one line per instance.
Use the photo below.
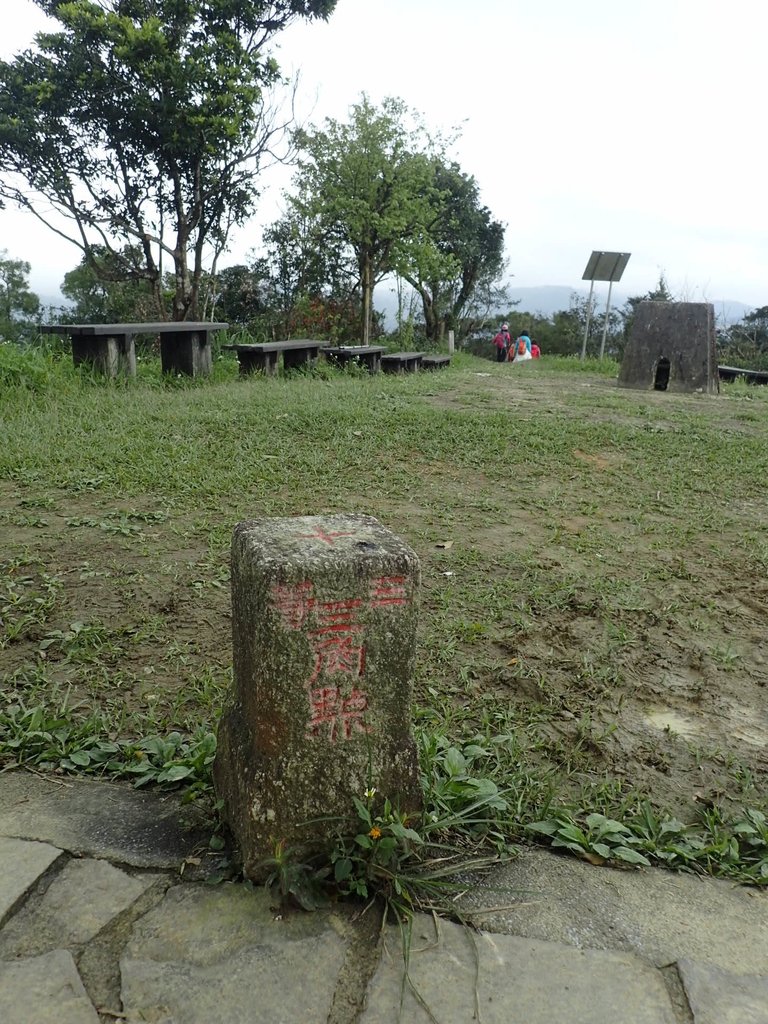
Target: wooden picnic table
(185, 345)
(263, 355)
(368, 355)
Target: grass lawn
(594, 564)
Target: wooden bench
(185, 345)
(731, 373)
(435, 362)
(368, 355)
(264, 355)
(401, 362)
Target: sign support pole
(589, 317)
(605, 325)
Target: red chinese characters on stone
(336, 643)
(388, 591)
(339, 714)
(293, 602)
(326, 538)
(338, 648)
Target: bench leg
(187, 353)
(110, 355)
(298, 357)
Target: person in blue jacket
(522, 348)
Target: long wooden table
(185, 345)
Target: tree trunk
(366, 294)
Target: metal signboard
(602, 266)
(605, 266)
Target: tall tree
(363, 191)
(143, 123)
(464, 252)
(17, 302)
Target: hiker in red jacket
(502, 341)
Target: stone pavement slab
(21, 864)
(220, 954)
(78, 903)
(508, 979)
(44, 990)
(659, 915)
(722, 997)
(99, 819)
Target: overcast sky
(588, 124)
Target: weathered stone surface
(659, 915)
(672, 344)
(21, 864)
(100, 819)
(724, 997)
(78, 903)
(219, 954)
(323, 629)
(457, 971)
(44, 990)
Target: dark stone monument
(672, 348)
(324, 643)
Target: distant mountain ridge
(547, 299)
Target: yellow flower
(375, 833)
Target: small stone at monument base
(324, 640)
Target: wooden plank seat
(435, 362)
(368, 355)
(264, 355)
(185, 345)
(731, 373)
(401, 362)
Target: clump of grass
(60, 741)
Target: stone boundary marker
(324, 643)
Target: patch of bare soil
(139, 616)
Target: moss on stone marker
(324, 642)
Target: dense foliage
(141, 124)
(374, 197)
(18, 304)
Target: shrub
(22, 368)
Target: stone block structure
(324, 643)
(672, 348)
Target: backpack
(521, 346)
